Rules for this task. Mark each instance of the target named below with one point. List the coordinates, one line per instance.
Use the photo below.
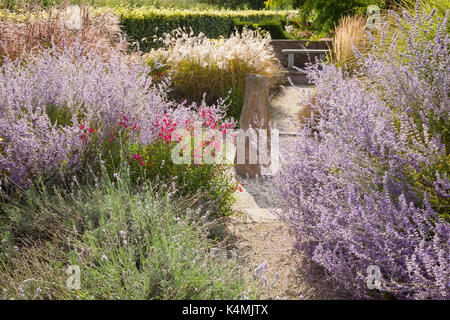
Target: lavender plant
(366, 183)
(52, 103)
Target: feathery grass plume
(349, 33)
(217, 67)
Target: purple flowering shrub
(58, 106)
(367, 181)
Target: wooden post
(255, 114)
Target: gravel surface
(262, 237)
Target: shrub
(367, 183)
(274, 28)
(129, 241)
(149, 22)
(217, 67)
(237, 4)
(321, 16)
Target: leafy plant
(321, 16)
(273, 27)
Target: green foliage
(60, 115)
(273, 27)
(129, 241)
(148, 23)
(236, 4)
(145, 24)
(212, 182)
(192, 80)
(321, 16)
(277, 4)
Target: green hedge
(275, 28)
(145, 23)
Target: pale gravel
(261, 236)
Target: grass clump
(215, 68)
(350, 34)
(32, 30)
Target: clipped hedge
(275, 28)
(145, 23)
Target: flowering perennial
(54, 102)
(368, 181)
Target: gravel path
(285, 106)
(262, 237)
(259, 198)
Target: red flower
(134, 127)
(159, 74)
(90, 130)
(124, 118)
(123, 124)
(137, 156)
(82, 127)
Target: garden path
(261, 236)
